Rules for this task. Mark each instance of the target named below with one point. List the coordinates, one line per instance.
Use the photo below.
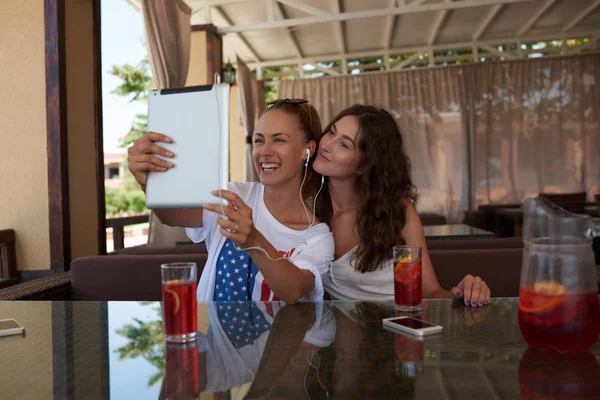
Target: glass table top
(335, 350)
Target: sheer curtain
(535, 128)
(168, 35)
(483, 133)
(247, 106)
(426, 104)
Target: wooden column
(207, 55)
(97, 46)
(76, 208)
(56, 122)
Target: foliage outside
(377, 64)
(146, 340)
(136, 82)
(123, 202)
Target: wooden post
(8, 258)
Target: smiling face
(338, 155)
(279, 148)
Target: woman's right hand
(142, 156)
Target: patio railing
(119, 224)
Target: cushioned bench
(137, 277)
(123, 277)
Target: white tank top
(343, 282)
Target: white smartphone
(10, 327)
(412, 326)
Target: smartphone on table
(9, 327)
(410, 325)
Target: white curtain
(535, 128)
(483, 133)
(168, 35)
(247, 106)
(426, 106)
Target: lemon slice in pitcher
(549, 288)
(543, 297)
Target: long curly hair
(384, 182)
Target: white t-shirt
(312, 250)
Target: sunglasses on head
(295, 102)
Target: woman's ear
(312, 146)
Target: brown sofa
(497, 261)
(134, 274)
(123, 277)
(196, 248)
(499, 268)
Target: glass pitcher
(558, 297)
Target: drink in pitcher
(408, 292)
(179, 301)
(550, 318)
(558, 294)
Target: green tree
(136, 82)
(126, 199)
(146, 340)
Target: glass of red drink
(179, 282)
(182, 371)
(408, 293)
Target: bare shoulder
(413, 227)
(411, 213)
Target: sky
(129, 377)
(122, 43)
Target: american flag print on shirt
(238, 278)
(244, 322)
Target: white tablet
(197, 119)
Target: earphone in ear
(307, 156)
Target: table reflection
(548, 375)
(330, 350)
(334, 350)
(372, 362)
(256, 350)
(184, 379)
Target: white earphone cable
(309, 364)
(310, 225)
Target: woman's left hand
(239, 226)
(475, 292)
